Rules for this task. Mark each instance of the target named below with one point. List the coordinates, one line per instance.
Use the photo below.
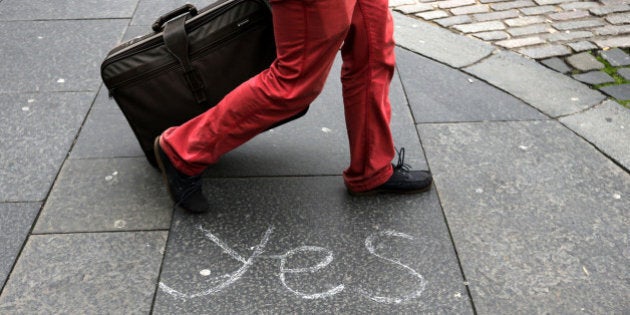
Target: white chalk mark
(233, 277)
(369, 245)
(523, 147)
(225, 247)
(30, 100)
(326, 130)
(271, 256)
(585, 271)
(205, 272)
(479, 190)
(322, 264)
(617, 196)
(25, 109)
(61, 81)
(119, 224)
(283, 270)
(170, 291)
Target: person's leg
(368, 67)
(308, 36)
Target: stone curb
(553, 93)
(607, 127)
(550, 92)
(439, 44)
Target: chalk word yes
(228, 279)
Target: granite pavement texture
(529, 212)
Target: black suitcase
(188, 64)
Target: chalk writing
(327, 260)
(369, 245)
(230, 278)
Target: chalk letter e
(322, 264)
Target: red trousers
(308, 36)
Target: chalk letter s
(369, 244)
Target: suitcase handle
(187, 8)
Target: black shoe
(402, 181)
(184, 190)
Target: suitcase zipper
(192, 25)
(174, 64)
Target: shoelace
(194, 185)
(401, 161)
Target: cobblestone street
(588, 40)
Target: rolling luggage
(188, 64)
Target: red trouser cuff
(361, 184)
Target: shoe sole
(389, 191)
(160, 163)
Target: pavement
(529, 213)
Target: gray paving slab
(582, 46)
(594, 77)
(437, 43)
(584, 62)
(438, 93)
(16, 220)
(111, 273)
(106, 195)
(545, 51)
(539, 217)
(480, 27)
(616, 57)
(492, 35)
(149, 11)
(37, 132)
(552, 93)
(316, 144)
(624, 72)
(620, 92)
(303, 245)
(617, 41)
(432, 15)
(55, 55)
(13, 10)
(556, 64)
(106, 133)
(607, 126)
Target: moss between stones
(612, 71)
